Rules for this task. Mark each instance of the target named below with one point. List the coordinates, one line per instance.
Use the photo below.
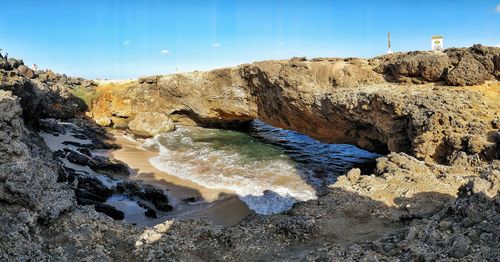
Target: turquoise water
(268, 168)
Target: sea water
(268, 168)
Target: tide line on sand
(219, 206)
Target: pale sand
(221, 207)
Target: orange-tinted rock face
(333, 100)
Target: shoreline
(219, 206)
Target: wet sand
(221, 207)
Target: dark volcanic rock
(156, 197)
(146, 192)
(468, 72)
(15, 63)
(94, 186)
(111, 211)
(458, 66)
(76, 158)
(4, 64)
(434, 68)
(88, 195)
(497, 65)
(107, 166)
(405, 67)
(150, 213)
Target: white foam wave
(267, 186)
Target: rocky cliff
(410, 208)
(394, 103)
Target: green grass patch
(84, 93)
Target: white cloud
(498, 8)
(215, 45)
(165, 52)
(126, 43)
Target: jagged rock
(340, 96)
(88, 83)
(107, 166)
(359, 218)
(150, 213)
(15, 63)
(82, 194)
(148, 80)
(94, 186)
(148, 124)
(76, 157)
(146, 192)
(25, 71)
(354, 174)
(298, 59)
(4, 64)
(497, 65)
(51, 76)
(298, 227)
(157, 197)
(109, 210)
(434, 68)
(403, 67)
(468, 72)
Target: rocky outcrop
(456, 66)
(347, 100)
(41, 100)
(28, 188)
(407, 209)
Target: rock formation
(412, 207)
(347, 100)
(149, 124)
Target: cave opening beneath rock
(324, 161)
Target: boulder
(150, 213)
(51, 76)
(119, 122)
(4, 64)
(109, 210)
(107, 166)
(15, 63)
(155, 196)
(103, 121)
(497, 65)
(88, 83)
(148, 124)
(431, 67)
(76, 158)
(94, 186)
(148, 80)
(25, 71)
(89, 195)
(434, 67)
(298, 59)
(468, 72)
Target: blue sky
(120, 39)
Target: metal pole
(389, 40)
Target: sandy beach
(221, 207)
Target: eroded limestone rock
(148, 124)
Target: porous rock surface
(410, 208)
(148, 124)
(348, 100)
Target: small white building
(437, 43)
